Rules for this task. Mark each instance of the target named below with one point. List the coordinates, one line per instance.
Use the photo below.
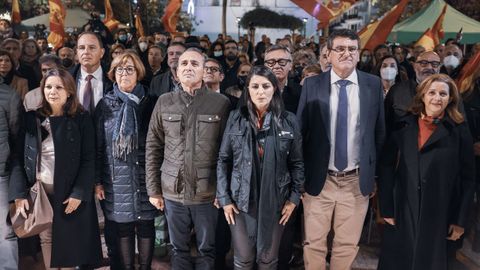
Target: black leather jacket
(234, 170)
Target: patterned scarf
(125, 133)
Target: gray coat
(10, 120)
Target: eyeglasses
(425, 63)
(281, 62)
(343, 49)
(211, 69)
(130, 70)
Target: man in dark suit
(342, 121)
(91, 78)
(92, 85)
(167, 81)
(279, 59)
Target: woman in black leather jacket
(122, 118)
(260, 172)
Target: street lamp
(305, 20)
(238, 25)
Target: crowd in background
(138, 144)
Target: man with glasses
(400, 96)
(279, 60)
(230, 64)
(342, 123)
(168, 81)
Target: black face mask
(231, 57)
(241, 81)
(67, 62)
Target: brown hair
(418, 107)
(12, 61)
(315, 68)
(29, 40)
(122, 59)
(72, 106)
(114, 47)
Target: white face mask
(217, 53)
(451, 61)
(388, 73)
(143, 46)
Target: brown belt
(343, 174)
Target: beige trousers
(339, 206)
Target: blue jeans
(8, 240)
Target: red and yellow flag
(378, 35)
(138, 24)
(170, 16)
(16, 18)
(434, 35)
(109, 20)
(57, 23)
(323, 11)
(468, 71)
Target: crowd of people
(274, 150)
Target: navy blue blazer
(314, 117)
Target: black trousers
(181, 218)
(245, 251)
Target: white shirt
(353, 120)
(97, 84)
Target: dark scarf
(125, 133)
(9, 77)
(265, 189)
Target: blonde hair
(418, 107)
(122, 59)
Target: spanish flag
(170, 16)
(57, 22)
(16, 18)
(467, 73)
(434, 35)
(109, 20)
(138, 24)
(377, 32)
(323, 11)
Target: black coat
(425, 191)
(75, 237)
(234, 169)
(126, 198)
(291, 95)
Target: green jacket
(183, 141)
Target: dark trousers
(144, 232)
(223, 240)
(292, 235)
(110, 233)
(245, 251)
(180, 219)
